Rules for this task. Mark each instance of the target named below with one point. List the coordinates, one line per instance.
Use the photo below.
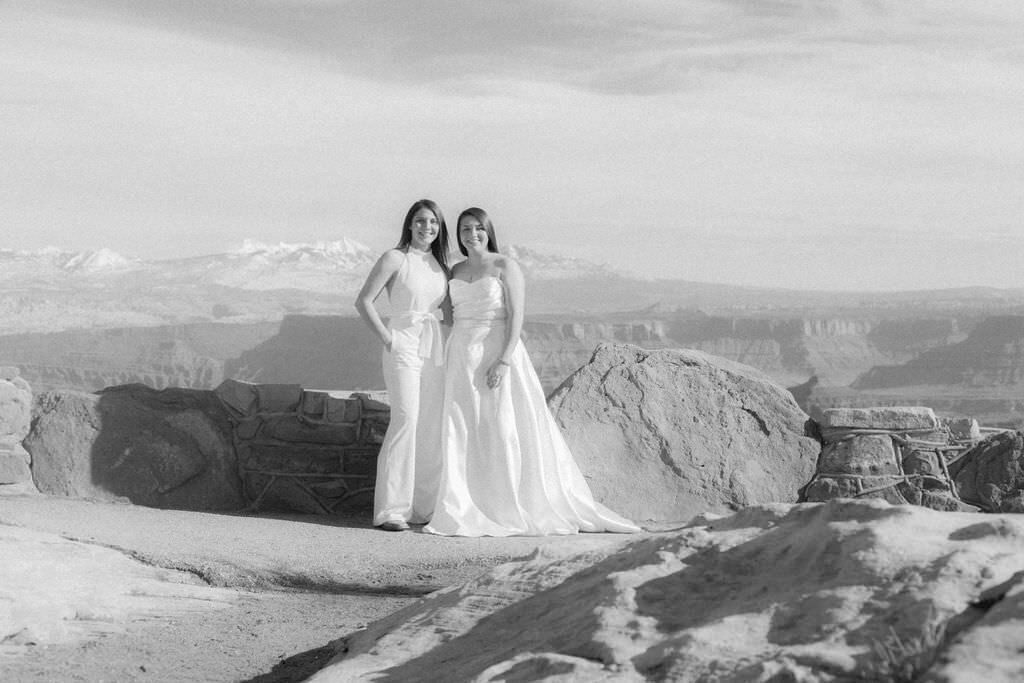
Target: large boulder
(668, 434)
(171, 448)
(15, 421)
(991, 475)
(840, 591)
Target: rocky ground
(95, 591)
(818, 593)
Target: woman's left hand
(496, 373)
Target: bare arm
(515, 301)
(385, 268)
(515, 297)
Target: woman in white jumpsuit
(415, 275)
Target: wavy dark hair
(439, 247)
(485, 220)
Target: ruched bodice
(482, 300)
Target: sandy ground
(299, 582)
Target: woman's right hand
(388, 342)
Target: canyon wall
(328, 351)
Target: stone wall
(305, 450)
(897, 454)
(239, 447)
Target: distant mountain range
(93, 318)
(337, 267)
(322, 267)
(51, 290)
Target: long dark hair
(485, 220)
(439, 247)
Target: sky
(865, 145)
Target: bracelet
(502, 362)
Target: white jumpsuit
(409, 464)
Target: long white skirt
(506, 469)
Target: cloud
(771, 125)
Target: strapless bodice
(481, 300)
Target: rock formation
(60, 591)
(319, 352)
(839, 591)
(898, 454)
(991, 475)
(15, 421)
(992, 354)
(239, 446)
(672, 433)
(170, 448)
(191, 356)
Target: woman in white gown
(415, 276)
(506, 469)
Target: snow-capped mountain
(335, 267)
(325, 267)
(53, 265)
(52, 289)
(539, 266)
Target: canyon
(284, 314)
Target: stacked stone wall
(305, 450)
(898, 454)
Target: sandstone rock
(170, 448)
(58, 591)
(14, 463)
(870, 455)
(15, 406)
(991, 475)
(668, 434)
(241, 397)
(887, 417)
(772, 593)
(15, 422)
(964, 428)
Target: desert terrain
(265, 594)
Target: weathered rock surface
(991, 475)
(169, 448)
(54, 590)
(15, 421)
(668, 434)
(883, 417)
(897, 454)
(816, 592)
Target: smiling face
(476, 232)
(472, 234)
(424, 229)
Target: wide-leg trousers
(409, 464)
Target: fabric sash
(431, 343)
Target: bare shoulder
(390, 259)
(457, 268)
(507, 266)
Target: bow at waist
(431, 342)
